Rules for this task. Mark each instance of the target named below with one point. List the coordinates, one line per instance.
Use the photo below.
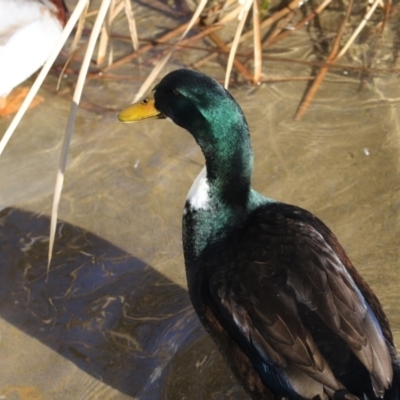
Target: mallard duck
(269, 281)
(29, 30)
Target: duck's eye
(145, 101)
(176, 92)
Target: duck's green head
(198, 104)
(202, 106)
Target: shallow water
(113, 319)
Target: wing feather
(284, 261)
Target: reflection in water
(106, 311)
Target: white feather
(198, 195)
(28, 32)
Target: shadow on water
(111, 314)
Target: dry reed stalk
(156, 70)
(163, 39)
(236, 40)
(43, 73)
(74, 45)
(115, 9)
(289, 79)
(72, 56)
(207, 59)
(331, 65)
(111, 77)
(281, 26)
(358, 29)
(374, 51)
(186, 42)
(79, 28)
(331, 58)
(264, 24)
(230, 16)
(281, 13)
(311, 63)
(228, 3)
(131, 24)
(257, 43)
(105, 4)
(303, 22)
(237, 64)
(319, 64)
(104, 38)
(388, 10)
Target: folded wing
(284, 262)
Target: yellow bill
(136, 112)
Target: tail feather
(393, 393)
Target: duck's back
(288, 310)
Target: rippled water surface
(112, 320)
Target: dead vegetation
(240, 34)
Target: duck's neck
(229, 162)
(221, 196)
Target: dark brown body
(245, 284)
